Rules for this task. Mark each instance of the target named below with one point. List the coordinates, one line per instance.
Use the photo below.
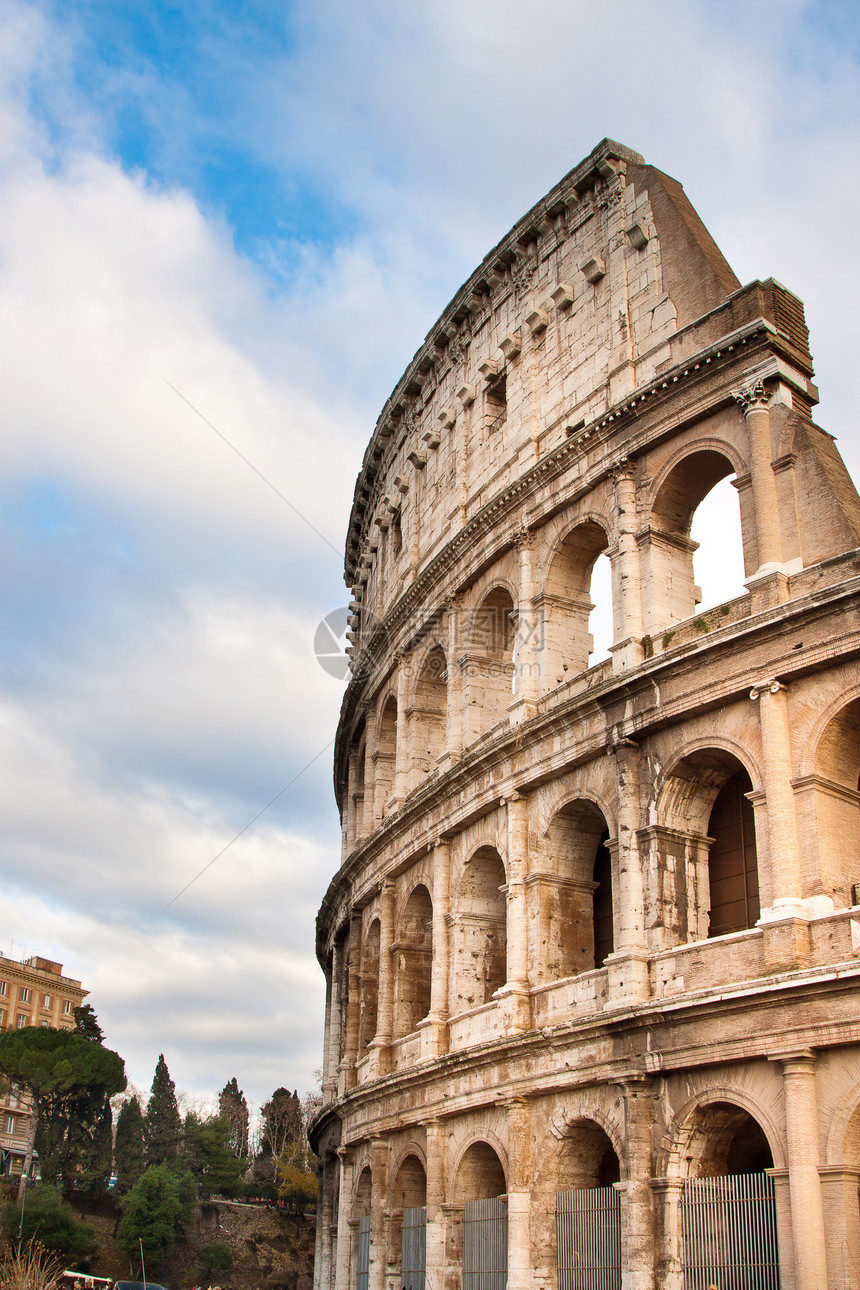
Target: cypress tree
(162, 1121)
(233, 1108)
(130, 1146)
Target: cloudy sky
(239, 218)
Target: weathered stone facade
(595, 928)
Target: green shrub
(51, 1222)
(215, 1257)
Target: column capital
(769, 686)
(622, 468)
(797, 1061)
(752, 397)
(524, 538)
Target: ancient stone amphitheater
(593, 950)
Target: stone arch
(703, 843)
(369, 986)
(479, 1173)
(577, 893)
(489, 660)
(385, 756)
(409, 1186)
(666, 546)
(357, 784)
(363, 1193)
(428, 713)
(588, 1157)
(565, 600)
(480, 930)
(828, 802)
(413, 961)
(707, 1135)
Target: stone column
(516, 989)
(385, 1007)
(527, 672)
(668, 1242)
(434, 1038)
(353, 1007)
(638, 1212)
(454, 713)
(519, 1194)
(804, 1183)
(343, 1255)
(784, 915)
(402, 757)
(435, 1148)
(378, 1195)
(628, 964)
(754, 400)
(333, 1024)
(626, 650)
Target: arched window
(567, 604)
(718, 561)
(668, 546)
(414, 954)
(489, 671)
(429, 707)
(386, 754)
(578, 912)
(481, 946)
(369, 990)
(732, 866)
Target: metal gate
(485, 1244)
(729, 1227)
(362, 1259)
(413, 1249)
(588, 1226)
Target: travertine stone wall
(525, 991)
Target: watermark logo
(330, 644)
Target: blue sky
(267, 205)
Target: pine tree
(233, 1108)
(130, 1146)
(162, 1121)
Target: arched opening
(429, 704)
(718, 561)
(600, 620)
(828, 807)
(567, 604)
(728, 1205)
(668, 547)
(732, 864)
(588, 1210)
(414, 955)
(369, 986)
(361, 1215)
(577, 894)
(386, 754)
(409, 1197)
(356, 826)
(488, 675)
(480, 1188)
(481, 1175)
(481, 944)
(704, 850)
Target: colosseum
(593, 948)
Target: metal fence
(413, 1249)
(729, 1227)
(588, 1226)
(362, 1258)
(485, 1244)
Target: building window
(23, 1020)
(67, 1006)
(4, 987)
(47, 1000)
(24, 994)
(2, 1020)
(10, 1124)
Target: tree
(70, 1080)
(282, 1122)
(209, 1154)
(87, 1023)
(297, 1183)
(162, 1120)
(155, 1211)
(233, 1108)
(130, 1146)
(49, 1220)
